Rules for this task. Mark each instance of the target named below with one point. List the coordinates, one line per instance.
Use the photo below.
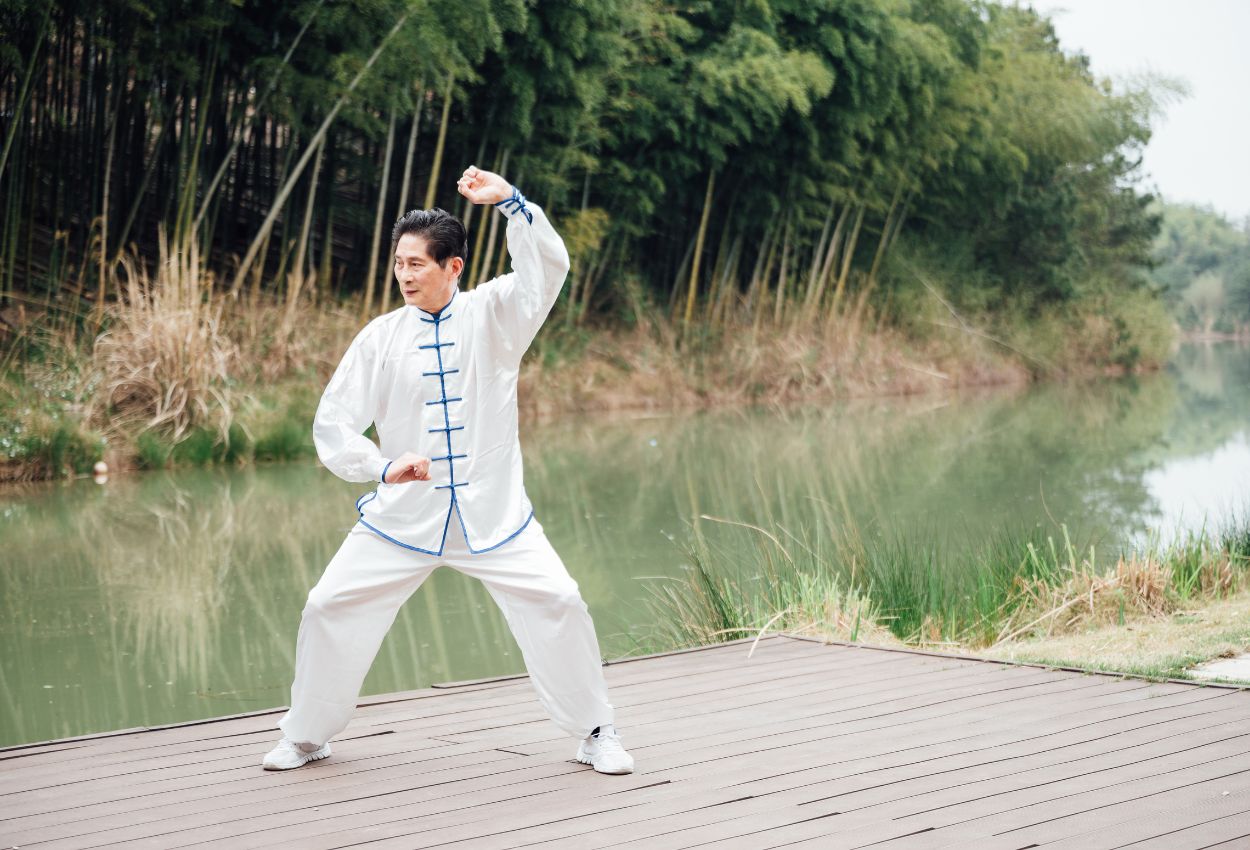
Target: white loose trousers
(355, 602)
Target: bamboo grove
(763, 162)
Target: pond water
(164, 597)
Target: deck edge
(962, 657)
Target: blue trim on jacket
(514, 204)
(443, 543)
(453, 503)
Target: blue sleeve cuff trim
(388, 466)
(516, 203)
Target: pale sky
(1200, 150)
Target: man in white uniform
(438, 377)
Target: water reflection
(166, 597)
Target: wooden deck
(804, 745)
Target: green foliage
(152, 451)
(280, 423)
(286, 438)
(951, 123)
(42, 433)
(203, 446)
(59, 448)
(1203, 267)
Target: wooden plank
(1175, 800)
(95, 815)
(1049, 812)
(1211, 826)
(802, 743)
(725, 654)
(300, 773)
(176, 756)
(673, 697)
(203, 788)
(829, 828)
(402, 830)
(655, 828)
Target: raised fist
(483, 187)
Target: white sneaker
(605, 753)
(289, 754)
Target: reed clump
(856, 586)
(1067, 594)
(173, 372)
(164, 363)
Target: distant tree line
(726, 160)
(1203, 268)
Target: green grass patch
(1020, 586)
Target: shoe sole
(314, 756)
(586, 760)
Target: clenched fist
(408, 467)
(483, 187)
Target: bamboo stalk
(778, 305)
(374, 244)
(15, 121)
(753, 285)
(183, 221)
(104, 216)
(152, 160)
(484, 271)
(249, 117)
(432, 187)
(718, 268)
(404, 183)
(813, 277)
(760, 305)
(301, 249)
(848, 252)
(698, 251)
(285, 191)
(886, 228)
(297, 267)
(831, 257)
(728, 285)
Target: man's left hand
(483, 187)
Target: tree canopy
(757, 158)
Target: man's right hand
(408, 467)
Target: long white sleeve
(347, 407)
(521, 300)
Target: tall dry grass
(651, 366)
(179, 355)
(164, 360)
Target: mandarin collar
(442, 309)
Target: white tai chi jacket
(444, 386)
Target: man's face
(424, 283)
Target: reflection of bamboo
(434, 622)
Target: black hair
(444, 234)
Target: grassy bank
(1028, 596)
(176, 373)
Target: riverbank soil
(1164, 647)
